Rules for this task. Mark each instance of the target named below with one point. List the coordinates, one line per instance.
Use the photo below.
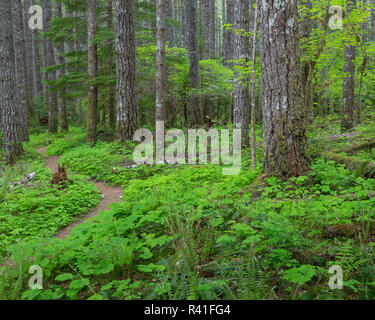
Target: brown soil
(111, 194)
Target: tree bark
(10, 114)
(229, 33)
(70, 46)
(347, 119)
(212, 29)
(253, 83)
(111, 85)
(127, 99)
(206, 24)
(23, 93)
(241, 108)
(372, 31)
(61, 100)
(284, 133)
(50, 98)
(160, 60)
(194, 72)
(36, 66)
(92, 99)
(29, 53)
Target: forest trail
(111, 195)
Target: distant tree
(241, 107)
(348, 88)
(10, 113)
(92, 99)
(253, 84)
(70, 47)
(160, 59)
(60, 57)
(372, 31)
(29, 53)
(194, 72)
(127, 99)
(229, 34)
(111, 84)
(50, 98)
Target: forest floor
(188, 232)
(110, 195)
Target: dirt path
(111, 194)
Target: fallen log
(365, 168)
(368, 145)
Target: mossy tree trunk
(284, 133)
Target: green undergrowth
(196, 234)
(35, 208)
(190, 232)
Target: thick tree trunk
(111, 85)
(61, 100)
(92, 99)
(160, 60)
(194, 72)
(50, 98)
(347, 119)
(127, 99)
(23, 93)
(284, 136)
(241, 108)
(10, 114)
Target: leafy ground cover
(189, 232)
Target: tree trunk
(284, 133)
(127, 99)
(194, 72)
(372, 31)
(169, 27)
(229, 33)
(253, 83)
(11, 126)
(160, 60)
(92, 99)
(70, 47)
(23, 93)
(212, 29)
(29, 53)
(205, 13)
(37, 74)
(347, 119)
(241, 108)
(224, 31)
(50, 98)
(61, 101)
(111, 85)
